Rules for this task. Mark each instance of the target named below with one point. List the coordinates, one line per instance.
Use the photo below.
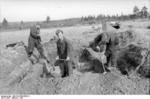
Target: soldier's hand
(97, 47)
(68, 58)
(32, 59)
(57, 58)
(47, 61)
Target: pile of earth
(134, 52)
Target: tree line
(137, 13)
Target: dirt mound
(19, 76)
(129, 58)
(11, 59)
(132, 45)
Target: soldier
(106, 43)
(64, 54)
(34, 41)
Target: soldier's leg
(41, 51)
(31, 45)
(69, 68)
(62, 69)
(43, 58)
(113, 59)
(44, 71)
(66, 68)
(108, 64)
(108, 57)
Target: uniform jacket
(34, 41)
(64, 48)
(110, 40)
(33, 33)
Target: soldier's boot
(62, 70)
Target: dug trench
(18, 76)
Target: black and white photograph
(74, 47)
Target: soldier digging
(64, 54)
(34, 41)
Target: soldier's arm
(103, 49)
(93, 46)
(58, 51)
(69, 48)
(39, 38)
(34, 35)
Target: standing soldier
(64, 54)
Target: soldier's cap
(37, 26)
(34, 28)
(59, 31)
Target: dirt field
(14, 62)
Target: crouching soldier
(34, 41)
(106, 44)
(64, 54)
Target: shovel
(103, 60)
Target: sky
(37, 10)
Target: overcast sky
(37, 10)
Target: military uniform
(34, 41)
(63, 51)
(108, 40)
